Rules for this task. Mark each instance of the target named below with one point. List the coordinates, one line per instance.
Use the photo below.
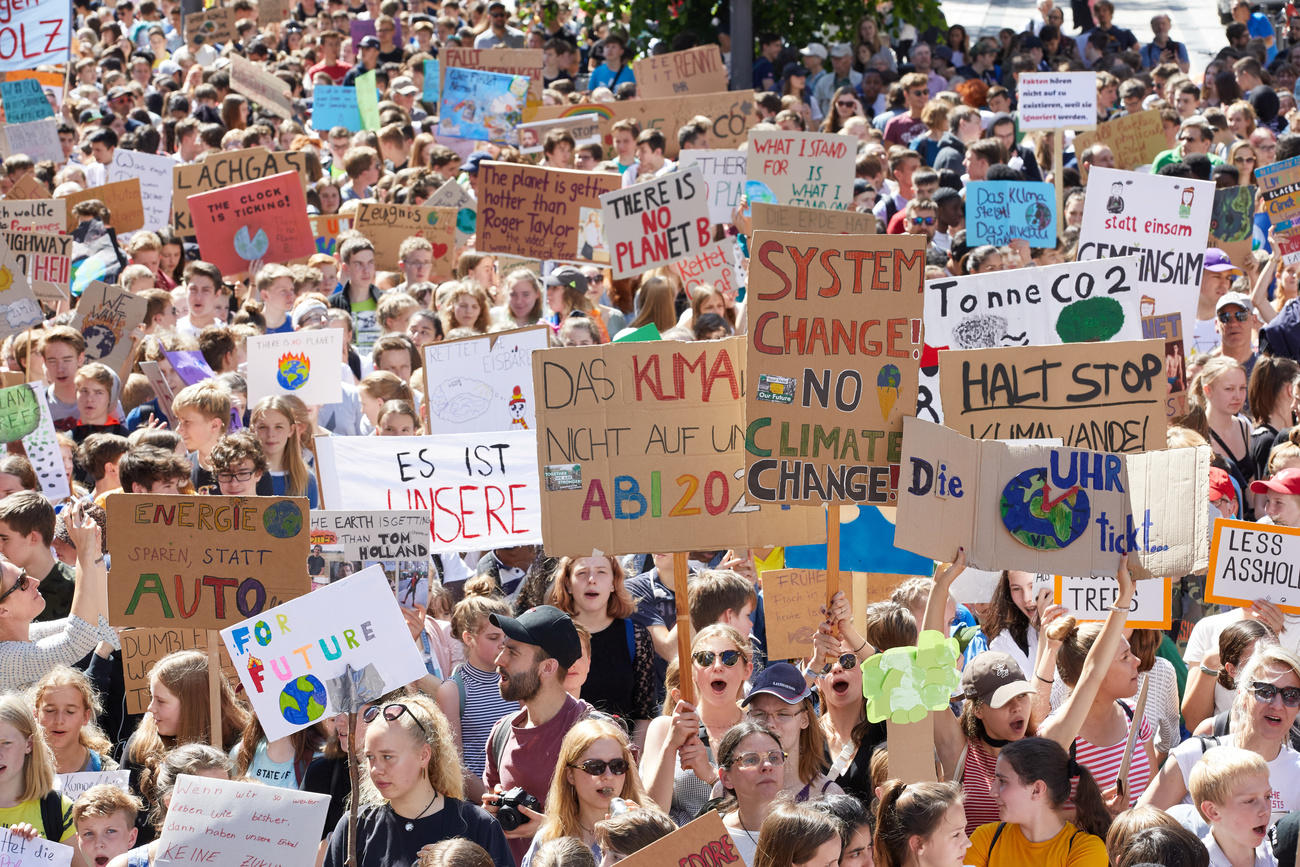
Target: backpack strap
(52, 816)
(497, 740)
(1221, 723)
(631, 638)
(459, 679)
(1206, 743)
(1128, 711)
(1002, 826)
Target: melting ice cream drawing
(887, 382)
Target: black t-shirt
(57, 588)
(326, 776)
(205, 481)
(382, 838)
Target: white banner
(724, 178)
(1056, 100)
(656, 222)
(34, 33)
(155, 174)
(810, 169)
(1250, 561)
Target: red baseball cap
(1221, 485)
(1285, 482)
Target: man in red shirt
(331, 42)
(908, 125)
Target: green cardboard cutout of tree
(904, 684)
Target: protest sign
(326, 228)
(388, 225)
(122, 198)
(730, 114)
(367, 88)
(724, 179)
(1288, 245)
(33, 215)
(19, 412)
(21, 851)
(46, 261)
(703, 841)
(216, 24)
(1232, 223)
(480, 105)
(1107, 397)
(28, 187)
(792, 601)
(650, 224)
(291, 657)
(1162, 220)
(38, 139)
(827, 312)
(1075, 302)
(155, 174)
(1056, 100)
(512, 61)
(483, 384)
(35, 34)
(998, 212)
(259, 85)
(106, 315)
(432, 82)
(808, 169)
(51, 81)
(142, 647)
(788, 218)
(212, 821)
(453, 195)
(161, 389)
(358, 29)
(1134, 139)
(1279, 184)
(585, 129)
(306, 364)
(40, 443)
(344, 543)
(866, 545)
(264, 220)
(642, 445)
(695, 70)
(481, 488)
(71, 786)
(204, 561)
(1089, 599)
(189, 365)
(712, 265)
(335, 105)
(1172, 539)
(225, 168)
(24, 101)
(542, 213)
(1250, 562)
(18, 306)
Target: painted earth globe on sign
(303, 700)
(283, 520)
(1041, 518)
(100, 339)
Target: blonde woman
(1215, 399)
(28, 803)
(66, 707)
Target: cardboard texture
(106, 315)
(703, 841)
(1089, 599)
(123, 200)
(305, 364)
(481, 105)
(1173, 538)
(28, 187)
(216, 24)
(1107, 397)
(1250, 561)
(724, 178)
(806, 169)
(712, 265)
(834, 345)
(219, 170)
(1055, 100)
(352, 623)
(542, 213)
(640, 446)
(37, 34)
(482, 488)
(18, 306)
(453, 195)
(38, 139)
(483, 384)
(695, 70)
(264, 220)
(155, 174)
(1134, 139)
(651, 224)
(911, 751)
(789, 218)
(263, 88)
(34, 215)
(514, 61)
(142, 647)
(1232, 223)
(998, 212)
(585, 129)
(1077, 302)
(46, 261)
(227, 822)
(387, 226)
(204, 562)
(792, 601)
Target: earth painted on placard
(283, 520)
(303, 700)
(291, 373)
(100, 340)
(1041, 518)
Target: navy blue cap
(782, 680)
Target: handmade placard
(789, 218)
(1055, 100)
(220, 169)
(724, 178)
(388, 225)
(155, 174)
(482, 384)
(46, 261)
(695, 70)
(651, 224)
(263, 220)
(1089, 599)
(807, 169)
(998, 212)
(542, 213)
(306, 364)
(144, 646)
(1250, 561)
(106, 316)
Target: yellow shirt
(30, 812)
(1013, 850)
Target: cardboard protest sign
(453, 195)
(792, 599)
(480, 105)
(33, 215)
(641, 445)
(46, 261)
(789, 218)
(28, 187)
(724, 178)
(731, 114)
(808, 169)
(289, 656)
(712, 265)
(226, 168)
(257, 221)
(216, 24)
(866, 545)
(19, 851)
(695, 70)
(306, 364)
(703, 841)
(142, 647)
(1107, 397)
(1012, 506)
(367, 88)
(1172, 539)
(155, 174)
(1164, 221)
(1089, 599)
(18, 306)
(51, 80)
(1250, 561)
(1000, 211)
(40, 442)
(123, 200)
(260, 86)
(483, 384)
(38, 139)
(398, 541)
(24, 101)
(335, 105)
(1279, 185)
(204, 561)
(388, 225)
(1056, 100)
(1134, 139)
(542, 213)
(71, 786)
(585, 129)
(35, 34)
(228, 822)
(1076, 302)
(481, 488)
(511, 61)
(161, 389)
(827, 312)
(19, 412)
(650, 224)
(106, 315)
(1232, 222)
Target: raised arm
(938, 598)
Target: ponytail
(908, 810)
(1033, 759)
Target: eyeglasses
(1188, 138)
(240, 476)
(1266, 692)
(1243, 159)
(923, 221)
(777, 718)
(705, 658)
(749, 761)
(925, 92)
(19, 585)
(846, 103)
(1229, 315)
(597, 767)
(392, 713)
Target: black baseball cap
(569, 277)
(546, 627)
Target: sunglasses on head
(705, 658)
(392, 713)
(1265, 692)
(596, 767)
(1229, 315)
(17, 587)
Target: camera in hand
(508, 803)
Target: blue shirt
(1260, 27)
(603, 76)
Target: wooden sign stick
(1058, 180)
(681, 574)
(28, 360)
(1121, 782)
(832, 563)
(214, 690)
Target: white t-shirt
(1205, 336)
(1205, 638)
(1283, 772)
(1006, 644)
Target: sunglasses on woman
(597, 767)
(392, 713)
(1265, 692)
(705, 658)
(20, 585)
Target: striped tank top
(1104, 762)
(976, 774)
(481, 706)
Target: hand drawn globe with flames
(1041, 519)
(291, 373)
(100, 339)
(303, 700)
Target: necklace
(410, 824)
(748, 833)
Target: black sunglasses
(705, 658)
(392, 713)
(1265, 692)
(21, 584)
(1229, 315)
(596, 767)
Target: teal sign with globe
(283, 520)
(1041, 518)
(303, 700)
